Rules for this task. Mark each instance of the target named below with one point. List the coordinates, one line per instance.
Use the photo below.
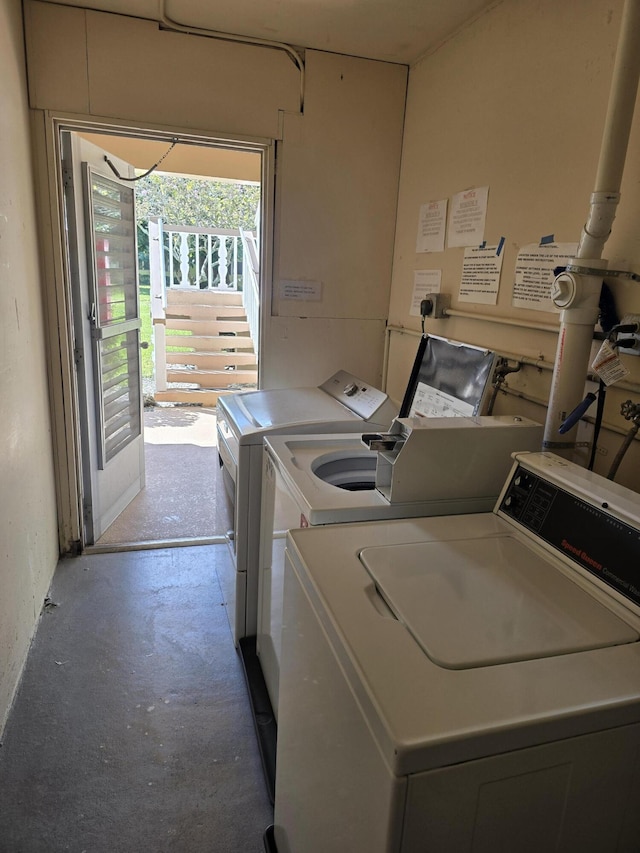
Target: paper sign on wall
(481, 270)
(534, 274)
(308, 291)
(424, 281)
(432, 226)
(467, 217)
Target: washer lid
(480, 602)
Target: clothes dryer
(466, 683)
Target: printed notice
(432, 226)
(424, 281)
(429, 402)
(308, 291)
(481, 270)
(467, 217)
(534, 274)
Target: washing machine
(466, 683)
(342, 404)
(421, 467)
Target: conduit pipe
(169, 23)
(577, 294)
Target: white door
(101, 252)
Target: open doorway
(185, 343)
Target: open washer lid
(480, 602)
(448, 379)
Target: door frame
(59, 325)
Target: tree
(197, 201)
(201, 202)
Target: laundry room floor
(131, 730)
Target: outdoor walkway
(184, 496)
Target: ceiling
(391, 30)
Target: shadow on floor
(131, 730)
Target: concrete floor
(131, 731)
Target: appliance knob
(350, 389)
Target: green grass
(146, 334)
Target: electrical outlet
(434, 305)
(630, 336)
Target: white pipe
(578, 295)
(505, 321)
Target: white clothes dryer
(432, 466)
(466, 683)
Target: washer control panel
(356, 395)
(587, 533)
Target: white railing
(250, 282)
(197, 258)
(186, 258)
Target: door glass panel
(111, 242)
(113, 235)
(120, 390)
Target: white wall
(337, 171)
(516, 101)
(28, 534)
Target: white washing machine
(342, 404)
(429, 466)
(466, 683)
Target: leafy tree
(197, 201)
(200, 202)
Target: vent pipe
(577, 294)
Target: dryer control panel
(358, 396)
(590, 533)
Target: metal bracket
(602, 273)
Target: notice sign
(481, 270)
(534, 274)
(432, 226)
(308, 291)
(467, 217)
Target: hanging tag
(608, 366)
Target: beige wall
(28, 534)
(516, 101)
(336, 196)
(337, 171)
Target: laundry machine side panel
(249, 538)
(279, 513)
(576, 794)
(334, 791)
